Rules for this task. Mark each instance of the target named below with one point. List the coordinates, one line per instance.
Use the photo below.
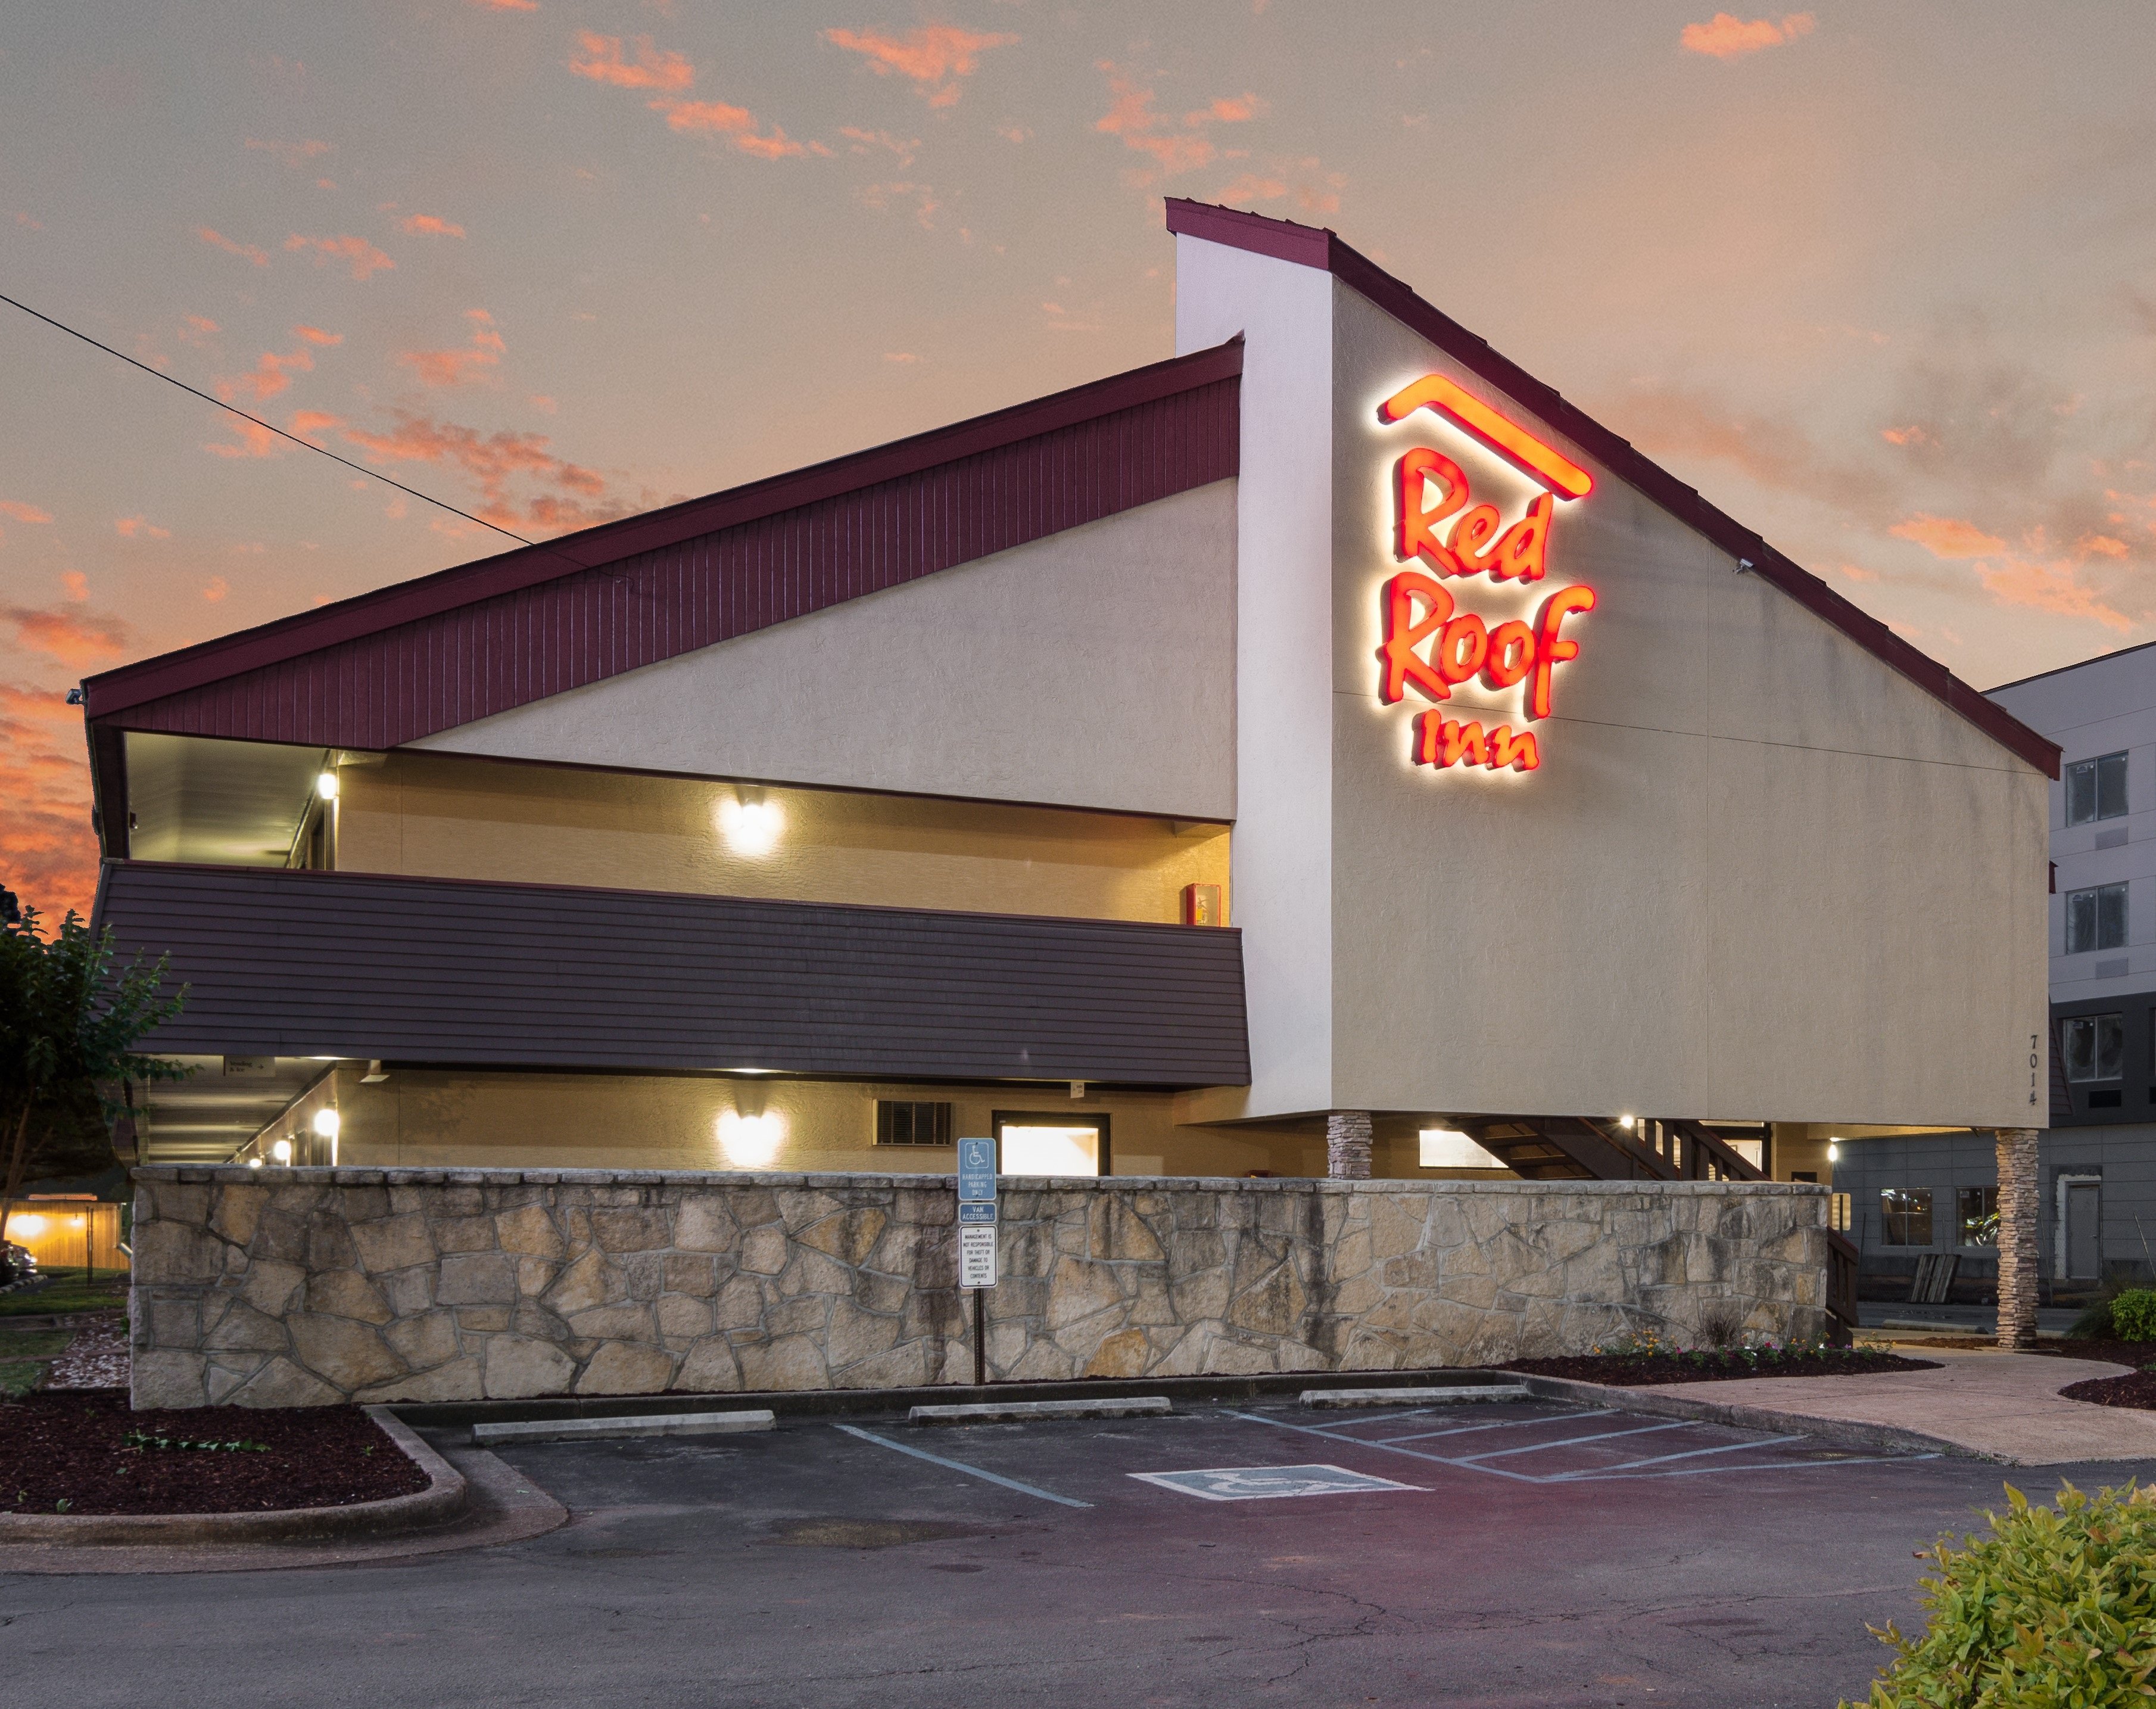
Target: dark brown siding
(425, 970)
(430, 655)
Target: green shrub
(2133, 1315)
(2055, 1610)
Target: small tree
(68, 1022)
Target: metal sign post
(976, 1238)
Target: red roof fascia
(1311, 246)
(115, 691)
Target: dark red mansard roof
(1311, 246)
(428, 654)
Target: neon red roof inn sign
(1431, 643)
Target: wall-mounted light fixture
(1834, 1151)
(751, 1141)
(1628, 1123)
(750, 823)
(255, 1163)
(326, 786)
(281, 1152)
(328, 1124)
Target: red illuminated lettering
(1508, 438)
(1404, 632)
(1522, 554)
(1511, 653)
(1415, 530)
(1442, 742)
(1461, 647)
(1550, 651)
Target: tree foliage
(68, 1022)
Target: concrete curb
(669, 1423)
(1342, 1397)
(820, 1402)
(1009, 1411)
(442, 1500)
(1842, 1432)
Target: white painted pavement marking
(1574, 1441)
(1501, 1424)
(1518, 1477)
(1268, 1483)
(1689, 1454)
(1007, 1483)
(1597, 1477)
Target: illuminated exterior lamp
(282, 1151)
(31, 1225)
(255, 1163)
(326, 786)
(1627, 1122)
(1834, 1151)
(750, 824)
(327, 1124)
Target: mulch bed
(2137, 1392)
(2134, 1353)
(70, 1446)
(1649, 1370)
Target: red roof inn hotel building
(1279, 760)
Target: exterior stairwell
(1586, 1148)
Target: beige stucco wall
(448, 816)
(437, 1118)
(1758, 872)
(1094, 668)
(312, 1287)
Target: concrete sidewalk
(2002, 1406)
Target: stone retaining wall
(297, 1287)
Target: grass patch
(34, 1343)
(68, 1292)
(18, 1377)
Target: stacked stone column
(2017, 1237)
(1347, 1145)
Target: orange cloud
(218, 240)
(1905, 436)
(2104, 545)
(1251, 187)
(76, 583)
(541, 402)
(427, 225)
(933, 58)
(2051, 587)
(218, 588)
(138, 528)
(737, 124)
(1131, 116)
(294, 155)
(16, 510)
(458, 367)
(866, 141)
(506, 5)
(75, 639)
(578, 497)
(1228, 109)
(1726, 36)
(900, 356)
(255, 441)
(196, 329)
(366, 260)
(1946, 538)
(312, 421)
(46, 847)
(272, 374)
(653, 68)
(314, 335)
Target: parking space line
(1689, 1454)
(1502, 1424)
(1574, 1441)
(1614, 1475)
(1520, 1477)
(1007, 1483)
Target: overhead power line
(320, 451)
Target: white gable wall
(1093, 668)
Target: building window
(912, 1124)
(1837, 1212)
(2096, 789)
(2096, 919)
(1905, 1213)
(1051, 1144)
(2095, 1046)
(1976, 1208)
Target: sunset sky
(1879, 279)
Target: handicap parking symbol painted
(1262, 1483)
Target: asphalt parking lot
(1508, 1553)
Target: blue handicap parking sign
(977, 1170)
